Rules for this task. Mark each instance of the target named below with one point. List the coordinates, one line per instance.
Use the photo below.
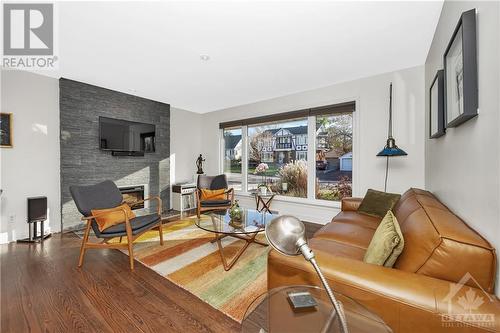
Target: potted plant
(235, 212)
(261, 169)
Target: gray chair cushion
(99, 196)
(215, 203)
(138, 224)
(212, 182)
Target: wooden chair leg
(160, 230)
(84, 242)
(130, 247)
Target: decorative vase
(236, 212)
(263, 190)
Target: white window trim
(311, 163)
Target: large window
(275, 146)
(304, 154)
(232, 155)
(333, 156)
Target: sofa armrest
(350, 203)
(407, 302)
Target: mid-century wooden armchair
(106, 195)
(213, 183)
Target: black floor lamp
(390, 149)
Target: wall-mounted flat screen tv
(126, 136)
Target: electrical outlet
(12, 218)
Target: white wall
(371, 117)
(462, 167)
(31, 167)
(185, 144)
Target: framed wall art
(436, 106)
(460, 72)
(6, 130)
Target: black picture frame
(461, 89)
(436, 106)
(6, 130)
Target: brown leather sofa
(442, 282)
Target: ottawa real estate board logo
(28, 36)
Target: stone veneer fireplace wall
(83, 163)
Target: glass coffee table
(272, 313)
(252, 223)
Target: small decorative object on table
(301, 300)
(199, 165)
(236, 213)
(263, 189)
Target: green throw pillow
(376, 203)
(387, 243)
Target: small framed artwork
(436, 106)
(460, 71)
(6, 130)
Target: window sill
(302, 201)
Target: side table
(263, 200)
(272, 313)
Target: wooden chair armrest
(230, 192)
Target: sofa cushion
(356, 218)
(207, 194)
(109, 217)
(337, 249)
(346, 233)
(387, 243)
(215, 203)
(377, 203)
(138, 224)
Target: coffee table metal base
(249, 239)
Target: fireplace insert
(133, 194)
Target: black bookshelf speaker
(37, 209)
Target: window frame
(311, 155)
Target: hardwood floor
(42, 290)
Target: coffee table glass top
(252, 221)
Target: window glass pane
(334, 156)
(232, 157)
(281, 151)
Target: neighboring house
(346, 162)
(232, 149)
(284, 145)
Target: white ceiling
(258, 50)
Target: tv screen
(124, 135)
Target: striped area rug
(188, 259)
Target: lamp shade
(391, 149)
(395, 151)
(286, 234)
